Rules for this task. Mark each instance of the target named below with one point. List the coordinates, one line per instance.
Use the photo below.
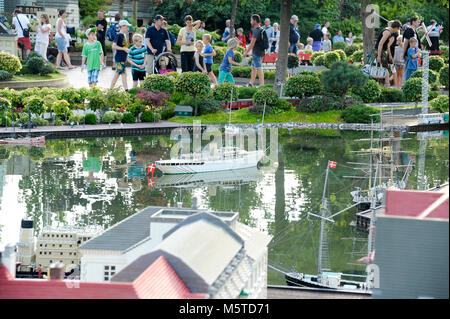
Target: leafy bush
(443, 76)
(159, 82)
(37, 65)
(237, 57)
(359, 113)
(147, 116)
(436, 63)
(246, 92)
(315, 55)
(318, 104)
(116, 98)
(293, 62)
(152, 99)
(9, 62)
(195, 84)
(282, 106)
(220, 53)
(176, 97)
(331, 58)
(39, 121)
(412, 90)
(5, 105)
(220, 44)
(342, 77)
(135, 108)
(128, 118)
(36, 105)
(342, 55)
(97, 99)
(319, 60)
(390, 95)
(90, 118)
(5, 75)
(222, 92)
(303, 85)
(432, 95)
(357, 56)
(111, 116)
(75, 118)
(339, 45)
(23, 118)
(440, 103)
(71, 95)
(265, 95)
(61, 108)
(349, 50)
(432, 75)
(58, 122)
(357, 40)
(368, 93)
(259, 109)
(209, 105)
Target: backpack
(263, 41)
(112, 31)
(172, 38)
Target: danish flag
(151, 168)
(331, 164)
(151, 182)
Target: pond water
(102, 181)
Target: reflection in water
(102, 181)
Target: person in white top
(349, 39)
(325, 28)
(42, 36)
(275, 39)
(62, 38)
(21, 24)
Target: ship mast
(323, 245)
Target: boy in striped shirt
(137, 57)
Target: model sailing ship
(34, 141)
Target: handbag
(377, 71)
(26, 32)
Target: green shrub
(443, 76)
(293, 62)
(440, 103)
(5, 75)
(412, 90)
(97, 99)
(222, 92)
(259, 109)
(76, 119)
(357, 56)
(176, 97)
(445, 54)
(349, 50)
(110, 117)
(265, 95)
(39, 121)
(339, 45)
(25, 70)
(315, 55)
(135, 108)
(237, 57)
(90, 118)
(318, 104)
(37, 65)
(303, 85)
(342, 55)
(9, 62)
(331, 58)
(432, 75)
(159, 82)
(36, 105)
(61, 108)
(357, 40)
(282, 106)
(368, 93)
(359, 113)
(220, 44)
(70, 94)
(209, 105)
(23, 118)
(58, 122)
(5, 105)
(116, 98)
(5, 121)
(390, 95)
(195, 84)
(147, 116)
(436, 63)
(220, 53)
(432, 95)
(128, 118)
(319, 60)
(246, 92)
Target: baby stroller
(164, 63)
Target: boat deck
(289, 292)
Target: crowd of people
(397, 47)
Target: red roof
(419, 204)
(159, 280)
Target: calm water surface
(101, 181)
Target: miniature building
(8, 41)
(107, 254)
(210, 258)
(182, 110)
(25, 254)
(412, 245)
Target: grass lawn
(37, 77)
(244, 116)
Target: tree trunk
(233, 16)
(121, 7)
(285, 15)
(135, 10)
(367, 29)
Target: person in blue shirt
(121, 46)
(294, 35)
(227, 33)
(269, 31)
(156, 39)
(412, 59)
(225, 68)
(338, 37)
(209, 53)
(137, 57)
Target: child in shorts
(120, 45)
(137, 57)
(208, 53)
(225, 68)
(92, 56)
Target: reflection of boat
(221, 159)
(40, 140)
(234, 177)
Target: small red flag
(151, 182)
(331, 164)
(151, 169)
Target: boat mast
(323, 249)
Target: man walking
(101, 32)
(269, 30)
(23, 26)
(258, 50)
(294, 35)
(156, 38)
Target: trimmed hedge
(369, 93)
(432, 75)
(330, 58)
(443, 76)
(303, 85)
(440, 103)
(390, 95)
(222, 92)
(5, 75)
(436, 63)
(159, 82)
(9, 62)
(318, 104)
(359, 113)
(90, 118)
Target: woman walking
(274, 40)
(186, 38)
(62, 40)
(317, 37)
(43, 33)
